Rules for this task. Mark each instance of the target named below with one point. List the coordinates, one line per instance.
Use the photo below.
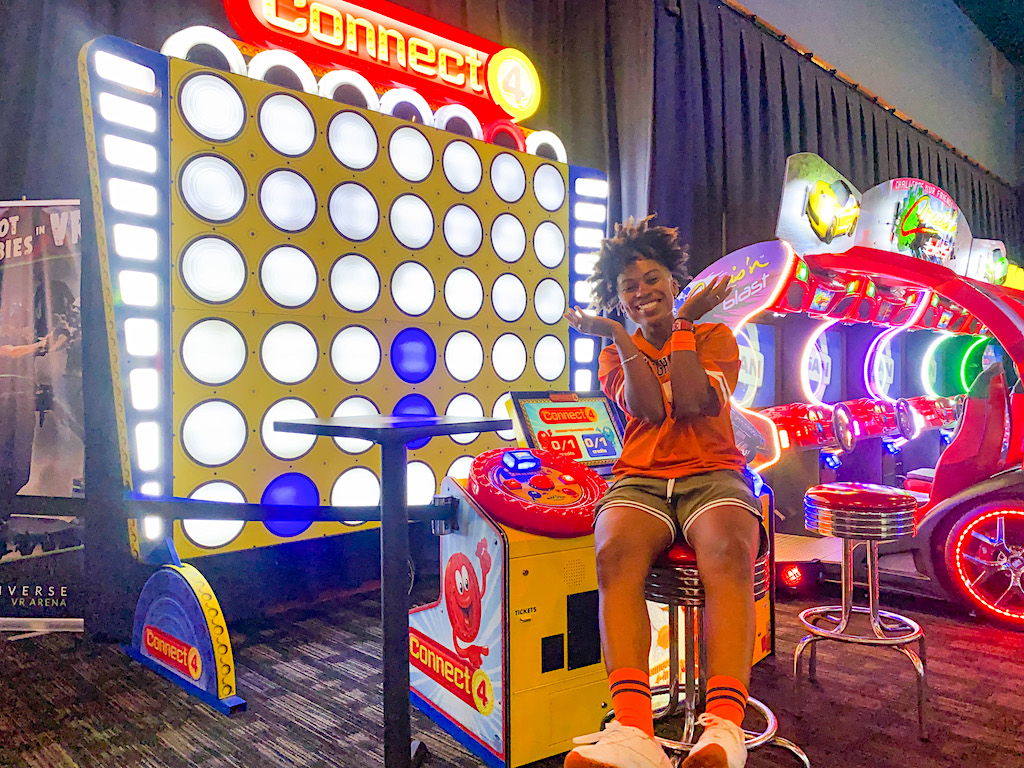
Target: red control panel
(805, 426)
(536, 491)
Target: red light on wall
(790, 575)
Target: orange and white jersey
(689, 445)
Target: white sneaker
(722, 745)
(617, 746)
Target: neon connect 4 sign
(389, 44)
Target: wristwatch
(682, 324)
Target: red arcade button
(512, 484)
(567, 479)
(542, 482)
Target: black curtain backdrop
(732, 102)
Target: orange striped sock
(631, 698)
(726, 698)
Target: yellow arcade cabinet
(508, 659)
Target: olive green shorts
(678, 502)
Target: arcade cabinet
(508, 659)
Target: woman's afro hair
(634, 241)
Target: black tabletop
(393, 428)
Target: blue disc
(291, 488)
(413, 355)
(415, 405)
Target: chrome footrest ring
(909, 630)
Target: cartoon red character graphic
(463, 596)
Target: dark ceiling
(1002, 22)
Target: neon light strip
(929, 357)
(805, 358)
(869, 363)
(787, 275)
(963, 362)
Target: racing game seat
(976, 450)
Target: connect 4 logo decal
(172, 652)
(451, 673)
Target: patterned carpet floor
(312, 681)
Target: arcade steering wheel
(536, 491)
(842, 427)
(905, 419)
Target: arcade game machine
(901, 259)
(508, 660)
(296, 236)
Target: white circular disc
(462, 166)
(421, 485)
(508, 357)
(214, 433)
(465, 405)
(287, 125)
(508, 237)
(412, 288)
(464, 356)
(212, 107)
(549, 187)
(459, 468)
(463, 293)
(353, 211)
(355, 283)
(500, 411)
(549, 244)
(355, 354)
(218, 490)
(508, 177)
(212, 188)
(287, 445)
(549, 301)
(355, 406)
(549, 358)
(410, 154)
(289, 353)
(508, 296)
(352, 140)
(213, 270)
(288, 201)
(411, 221)
(462, 230)
(288, 276)
(213, 351)
(214, 533)
(356, 487)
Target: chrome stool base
(887, 629)
(765, 737)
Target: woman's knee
(730, 557)
(626, 558)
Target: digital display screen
(822, 298)
(756, 385)
(578, 425)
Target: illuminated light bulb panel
(588, 223)
(294, 257)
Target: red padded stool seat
(862, 513)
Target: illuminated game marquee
(272, 254)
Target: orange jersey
(678, 447)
